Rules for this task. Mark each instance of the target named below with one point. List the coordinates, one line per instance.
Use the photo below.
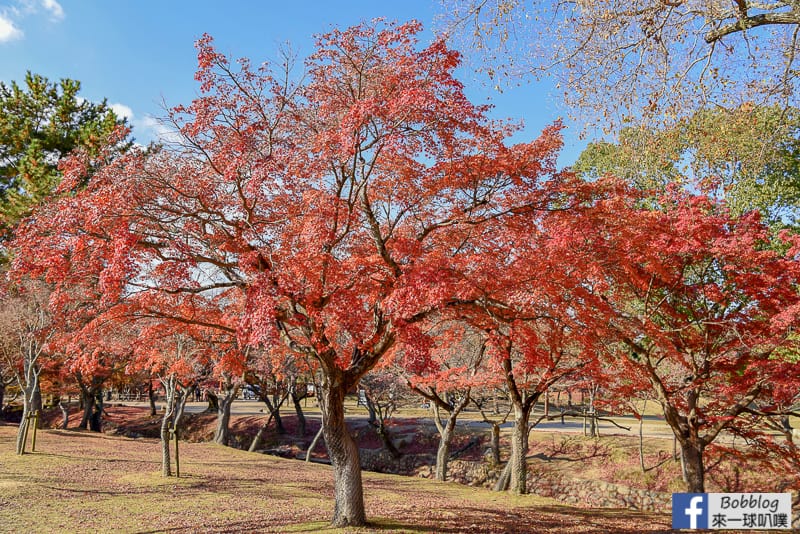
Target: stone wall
(380, 461)
(578, 492)
(575, 492)
(463, 472)
(599, 494)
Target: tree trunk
(169, 386)
(446, 432)
(36, 402)
(278, 421)
(547, 403)
(64, 414)
(301, 418)
(151, 397)
(274, 407)
(386, 439)
(342, 450)
(443, 453)
(26, 410)
(29, 385)
(373, 414)
(174, 404)
(594, 431)
(87, 401)
(21, 430)
(96, 419)
(693, 467)
(256, 443)
(495, 443)
(314, 443)
(503, 479)
(180, 404)
(213, 402)
(519, 451)
(641, 436)
(222, 432)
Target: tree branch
(742, 24)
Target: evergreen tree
(41, 122)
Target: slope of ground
(80, 482)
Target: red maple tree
(697, 309)
(330, 214)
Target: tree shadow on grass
(640, 521)
(403, 510)
(258, 525)
(542, 520)
(84, 458)
(80, 432)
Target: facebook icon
(689, 510)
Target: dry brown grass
(85, 482)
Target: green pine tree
(40, 123)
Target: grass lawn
(86, 482)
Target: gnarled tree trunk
(276, 414)
(343, 453)
(274, 407)
(692, 466)
(519, 450)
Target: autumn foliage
(327, 221)
(698, 308)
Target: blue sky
(140, 54)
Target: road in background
(653, 427)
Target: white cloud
(11, 15)
(122, 111)
(54, 8)
(150, 126)
(8, 32)
(147, 128)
